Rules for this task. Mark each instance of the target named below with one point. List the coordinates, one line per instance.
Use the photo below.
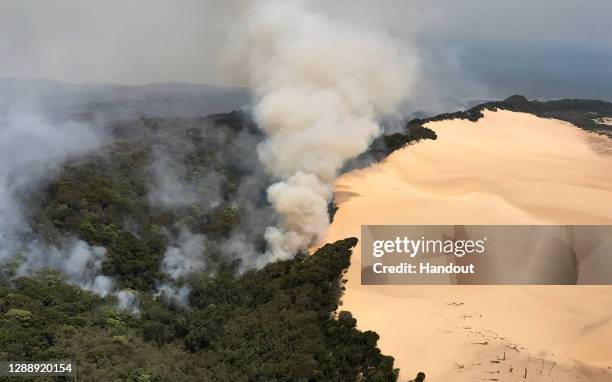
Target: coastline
(507, 168)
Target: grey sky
(463, 44)
(124, 41)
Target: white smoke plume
(181, 259)
(32, 149)
(174, 294)
(78, 261)
(184, 258)
(320, 84)
(127, 301)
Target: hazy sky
(467, 47)
(125, 41)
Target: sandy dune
(605, 121)
(508, 168)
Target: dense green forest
(105, 198)
(280, 322)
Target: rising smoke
(32, 149)
(181, 259)
(172, 191)
(184, 258)
(320, 84)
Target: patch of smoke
(246, 241)
(185, 257)
(320, 84)
(77, 260)
(32, 149)
(127, 300)
(250, 197)
(172, 189)
(176, 186)
(174, 294)
(181, 259)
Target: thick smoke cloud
(320, 84)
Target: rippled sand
(507, 168)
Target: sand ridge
(507, 168)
